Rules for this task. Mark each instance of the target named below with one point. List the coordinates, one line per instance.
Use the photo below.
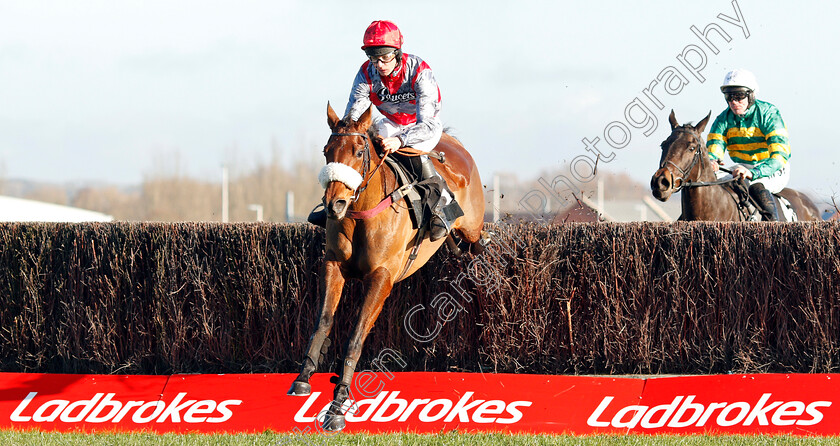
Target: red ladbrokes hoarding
(426, 402)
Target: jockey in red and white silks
(404, 90)
(408, 98)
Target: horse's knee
(325, 323)
(354, 352)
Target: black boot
(442, 216)
(318, 216)
(437, 228)
(765, 200)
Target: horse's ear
(702, 124)
(332, 118)
(364, 120)
(673, 120)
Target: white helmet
(739, 78)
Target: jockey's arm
(767, 168)
(716, 143)
(428, 106)
(778, 146)
(742, 172)
(715, 156)
(359, 100)
(391, 144)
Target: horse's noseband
(366, 163)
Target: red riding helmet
(382, 33)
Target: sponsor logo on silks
(684, 412)
(388, 407)
(103, 408)
(386, 96)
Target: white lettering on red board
(684, 412)
(103, 408)
(387, 407)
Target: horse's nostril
(659, 183)
(338, 206)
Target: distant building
(644, 209)
(18, 209)
(613, 198)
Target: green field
(39, 438)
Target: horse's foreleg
(331, 287)
(378, 285)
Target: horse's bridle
(366, 163)
(683, 172)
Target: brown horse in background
(375, 249)
(685, 166)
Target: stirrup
(437, 228)
(443, 219)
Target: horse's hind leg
(472, 232)
(467, 230)
(470, 227)
(484, 240)
(378, 285)
(331, 286)
(458, 244)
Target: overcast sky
(107, 91)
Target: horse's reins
(367, 176)
(689, 184)
(711, 183)
(685, 172)
(388, 200)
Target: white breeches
(774, 183)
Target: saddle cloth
(785, 208)
(421, 195)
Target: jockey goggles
(385, 58)
(736, 96)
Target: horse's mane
(375, 141)
(449, 131)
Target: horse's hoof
(482, 243)
(300, 388)
(452, 244)
(333, 422)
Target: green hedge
(574, 298)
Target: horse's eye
(360, 153)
